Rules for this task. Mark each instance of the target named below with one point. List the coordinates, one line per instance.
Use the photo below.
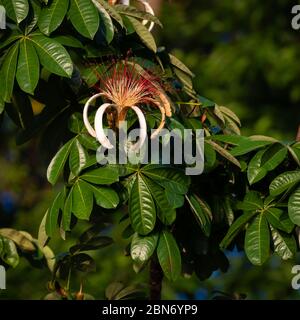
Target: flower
(125, 88)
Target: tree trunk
(298, 134)
(156, 277)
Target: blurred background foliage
(246, 56)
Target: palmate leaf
(52, 16)
(236, 227)
(279, 219)
(58, 162)
(265, 161)
(82, 200)
(223, 152)
(142, 247)
(133, 12)
(202, 212)
(166, 213)
(53, 56)
(284, 181)
(52, 214)
(112, 12)
(103, 175)
(105, 197)
(8, 71)
(284, 245)
(17, 10)
(28, 69)
(169, 255)
(144, 34)
(180, 65)
(142, 211)
(106, 24)
(257, 240)
(33, 16)
(294, 207)
(170, 178)
(84, 17)
(78, 158)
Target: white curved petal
(87, 124)
(148, 9)
(162, 122)
(100, 134)
(143, 129)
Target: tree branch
(298, 134)
(156, 277)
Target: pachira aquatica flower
(123, 88)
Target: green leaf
(230, 114)
(166, 213)
(256, 171)
(144, 34)
(175, 200)
(252, 202)
(248, 146)
(133, 12)
(285, 246)
(279, 220)
(209, 154)
(82, 200)
(88, 141)
(78, 158)
(142, 247)
(105, 197)
(172, 179)
(231, 139)
(8, 71)
(169, 255)
(53, 56)
(284, 181)
(294, 207)
(264, 161)
(236, 227)
(113, 13)
(257, 240)
(180, 65)
(52, 215)
(103, 175)
(67, 212)
(273, 156)
(141, 207)
(68, 41)
(33, 16)
(184, 78)
(202, 213)
(106, 23)
(52, 16)
(17, 10)
(231, 126)
(28, 69)
(224, 153)
(295, 153)
(84, 17)
(75, 123)
(8, 252)
(58, 162)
